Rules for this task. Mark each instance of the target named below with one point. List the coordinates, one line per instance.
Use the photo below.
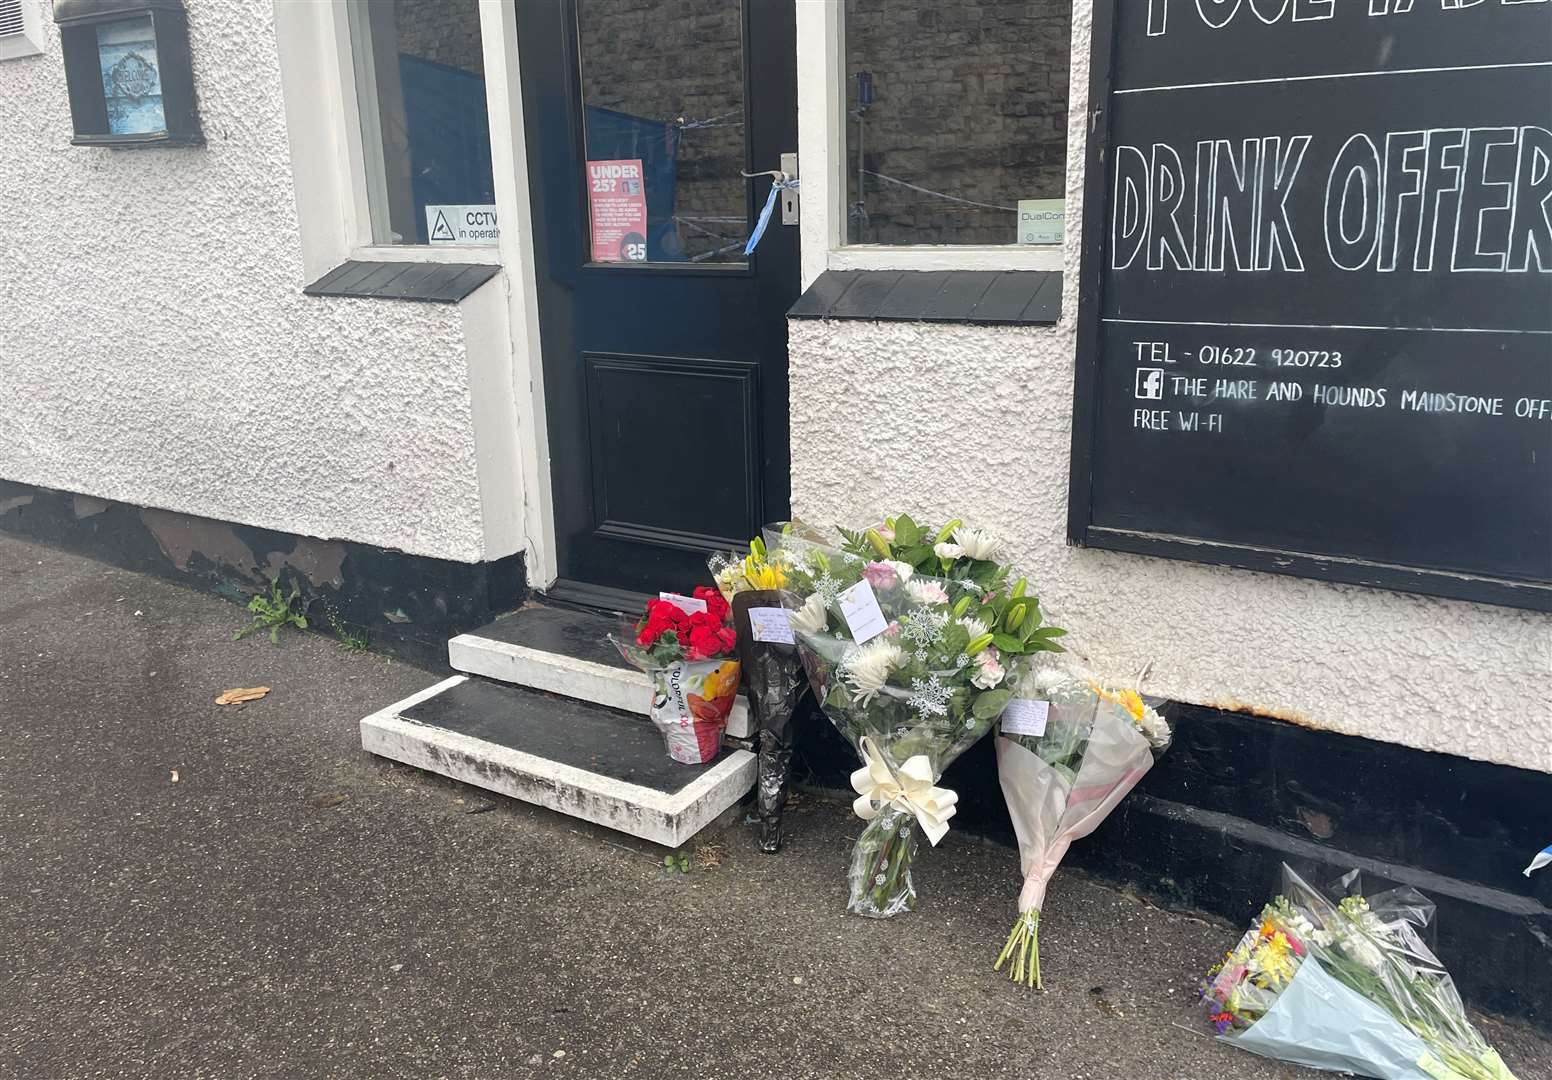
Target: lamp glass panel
(131, 76)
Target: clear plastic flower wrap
(910, 635)
(687, 647)
(1346, 983)
(1067, 753)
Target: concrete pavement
(189, 890)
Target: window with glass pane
(663, 90)
(956, 114)
(420, 78)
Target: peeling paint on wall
(182, 538)
(85, 506)
(321, 562)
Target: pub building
(1233, 319)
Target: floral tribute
(772, 672)
(754, 572)
(686, 645)
(912, 636)
(1065, 760)
(1347, 985)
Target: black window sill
(986, 297)
(428, 282)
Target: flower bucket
(691, 700)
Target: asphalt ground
(193, 890)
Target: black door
(665, 348)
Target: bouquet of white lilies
(912, 637)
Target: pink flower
(887, 533)
(926, 592)
(880, 575)
(1227, 980)
(991, 672)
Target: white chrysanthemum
(903, 570)
(1154, 727)
(974, 626)
(945, 550)
(976, 543)
(869, 667)
(1049, 678)
(811, 618)
(925, 591)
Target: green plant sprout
(273, 612)
(355, 641)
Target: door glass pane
(663, 97)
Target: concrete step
(564, 651)
(590, 762)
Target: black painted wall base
(1237, 795)
(407, 605)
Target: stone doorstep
(625, 688)
(669, 814)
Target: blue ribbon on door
(780, 184)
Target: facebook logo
(1150, 383)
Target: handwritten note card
(770, 624)
(687, 604)
(860, 609)
(1026, 716)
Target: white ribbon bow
(910, 789)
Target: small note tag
(687, 604)
(860, 608)
(1025, 716)
(770, 624)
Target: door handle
(785, 178)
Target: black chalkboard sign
(1315, 333)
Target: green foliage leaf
(989, 706)
(917, 556)
(1007, 643)
(954, 640)
(856, 542)
(908, 534)
(1031, 625)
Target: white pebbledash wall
(976, 421)
(155, 346)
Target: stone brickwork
(672, 60)
(970, 101)
(445, 31)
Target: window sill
(427, 282)
(983, 297)
(947, 257)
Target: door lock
(789, 196)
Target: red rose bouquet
(686, 645)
